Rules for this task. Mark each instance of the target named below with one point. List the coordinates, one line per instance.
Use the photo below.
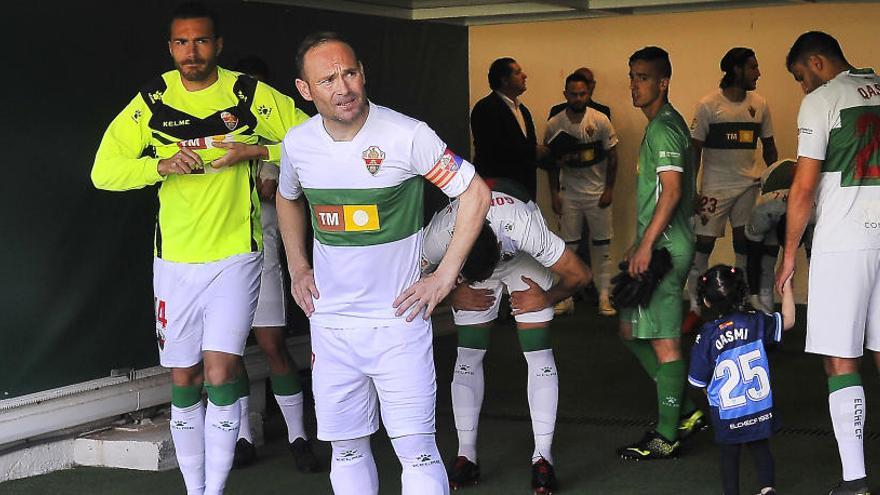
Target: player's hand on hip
(606, 198)
(529, 300)
(784, 274)
(237, 153)
(640, 260)
(466, 298)
(183, 162)
(425, 294)
(303, 289)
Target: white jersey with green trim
(587, 176)
(518, 226)
(839, 124)
(366, 204)
(729, 132)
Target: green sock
(473, 337)
(838, 382)
(185, 396)
(670, 389)
(644, 352)
(224, 394)
(534, 339)
(286, 384)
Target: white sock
(847, 407)
(352, 468)
(768, 277)
(467, 398)
(188, 434)
(244, 428)
(600, 257)
(292, 410)
(423, 471)
(701, 264)
(543, 392)
(740, 261)
(221, 432)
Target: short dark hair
(195, 10)
(813, 43)
(499, 70)
(484, 256)
(657, 56)
(576, 77)
(735, 57)
(252, 65)
(314, 40)
(725, 289)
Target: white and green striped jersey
(584, 168)
(518, 226)
(365, 199)
(839, 123)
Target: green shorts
(661, 319)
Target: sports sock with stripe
(221, 432)
(542, 387)
(188, 435)
(644, 352)
(846, 402)
(670, 389)
(468, 386)
(289, 396)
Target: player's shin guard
(467, 398)
(221, 432)
(602, 264)
(670, 390)
(289, 396)
(701, 264)
(846, 401)
(423, 471)
(542, 387)
(188, 434)
(352, 468)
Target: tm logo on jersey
(373, 157)
(347, 218)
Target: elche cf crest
(230, 120)
(373, 157)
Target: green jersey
(666, 147)
(212, 213)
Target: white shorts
(271, 310)
(507, 277)
(716, 207)
(843, 313)
(357, 371)
(204, 307)
(576, 211)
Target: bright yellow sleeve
(276, 113)
(120, 164)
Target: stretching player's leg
(703, 249)
(468, 386)
(352, 467)
(288, 394)
(188, 426)
(225, 384)
(846, 401)
(730, 454)
(542, 386)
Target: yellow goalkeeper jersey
(212, 213)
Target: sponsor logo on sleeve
(445, 169)
(373, 158)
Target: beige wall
(548, 51)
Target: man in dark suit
(504, 133)
(591, 87)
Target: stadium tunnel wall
(696, 41)
(77, 262)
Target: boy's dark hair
(724, 287)
(314, 40)
(253, 65)
(813, 43)
(657, 56)
(195, 10)
(576, 77)
(499, 70)
(484, 256)
(735, 57)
